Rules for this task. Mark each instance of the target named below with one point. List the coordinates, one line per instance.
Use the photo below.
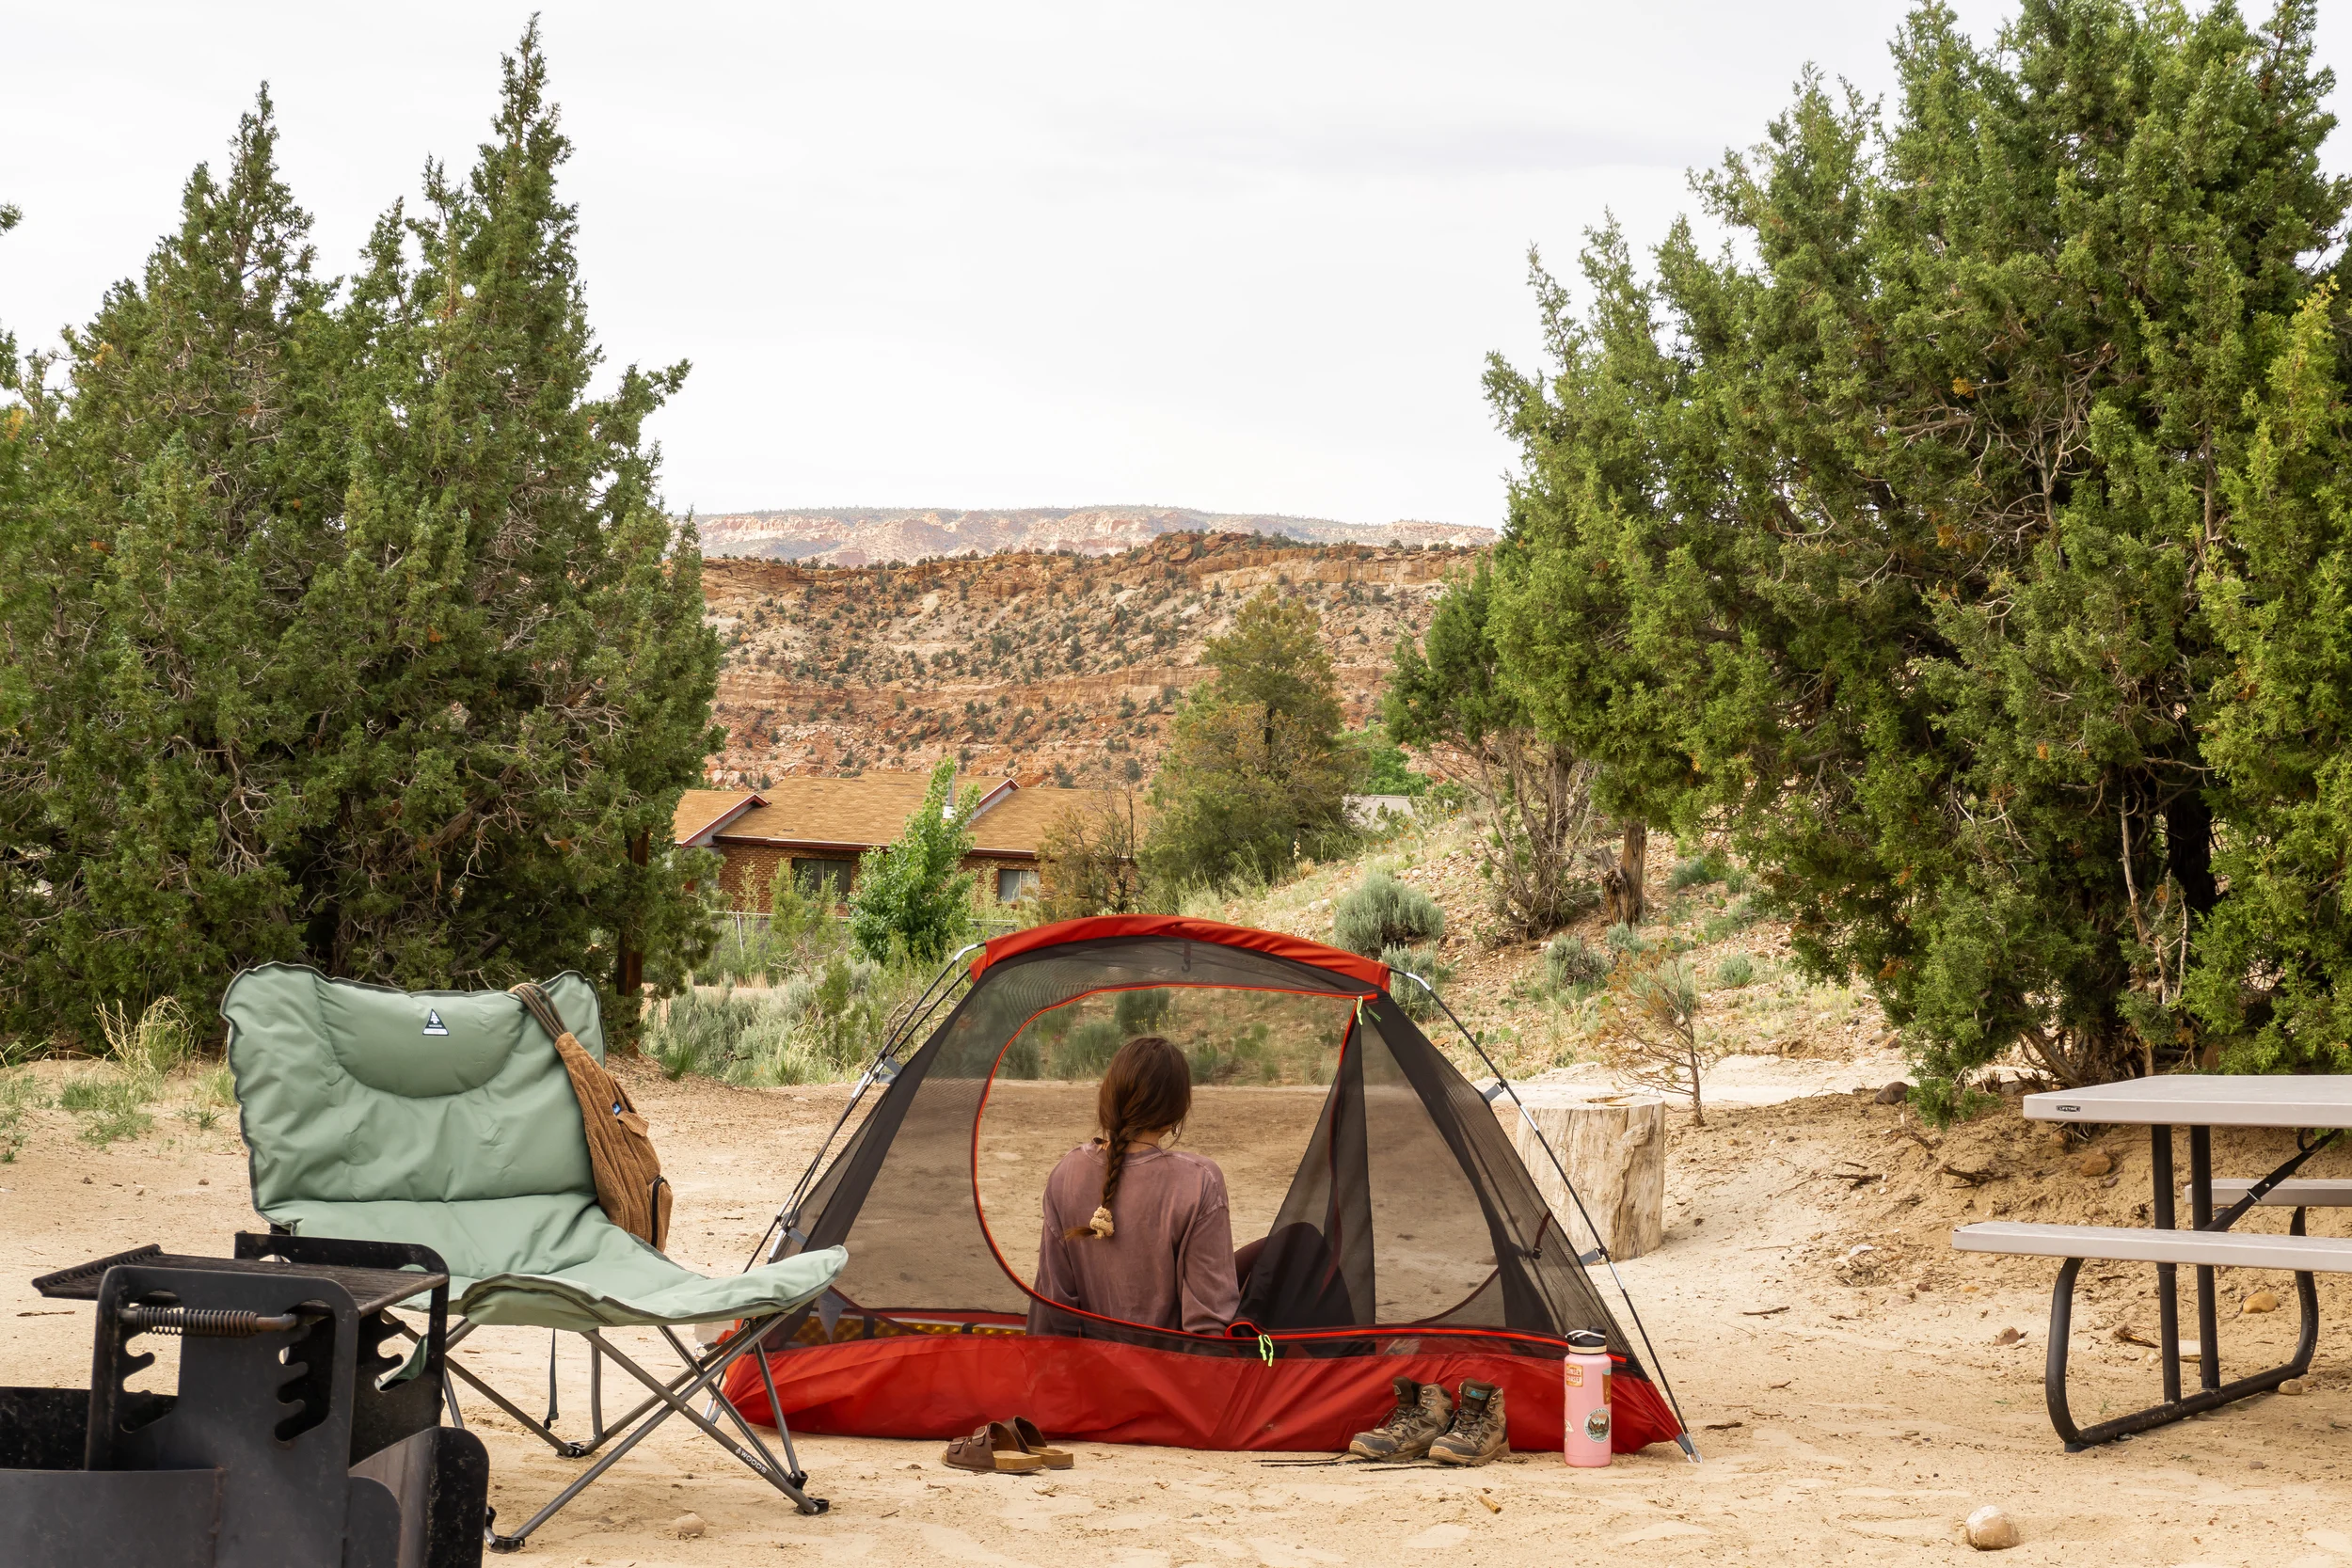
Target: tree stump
(1614, 1146)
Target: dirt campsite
(1854, 1386)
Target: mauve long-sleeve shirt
(1168, 1263)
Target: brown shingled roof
(858, 813)
(1018, 824)
(699, 810)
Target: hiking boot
(1479, 1434)
(1422, 1414)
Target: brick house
(820, 827)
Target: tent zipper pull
(1265, 1348)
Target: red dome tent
(1408, 1239)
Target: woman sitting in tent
(1133, 1231)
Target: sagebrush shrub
(1423, 961)
(1572, 962)
(1380, 912)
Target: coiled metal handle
(204, 1323)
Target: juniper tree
(1256, 772)
(357, 630)
(1447, 694)
(179, 498)
(1928, 476)
(2273, 971)
(508, 666)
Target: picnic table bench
(2315, 1107)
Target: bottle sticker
(1574, 1376)
(1597, 1425)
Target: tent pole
(1682, 1437)
(925, 1005)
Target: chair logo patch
(433, 1024)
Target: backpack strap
(541, 1007)
(630, 1188)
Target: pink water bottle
(1585, 1374)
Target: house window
(834, 876)
(1014, 885)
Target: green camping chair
(445, 1119)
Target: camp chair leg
(595, 1396)
(775, 1408)
(676, 1398)
(562, 1445)
(720, 1402)
(452, 1367)
(760, 1463)
(552, 1409)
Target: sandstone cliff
(1063, 665)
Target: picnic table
(2315, 1107)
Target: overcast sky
(1244, 258)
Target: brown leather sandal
(1033, 1441)
(992, 1448)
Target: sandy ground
(1838, 1361)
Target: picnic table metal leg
(2079, 1438)
(2168, 1285)
(2200, 1217)
(2214, 1393)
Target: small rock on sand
(1991, 1530)
(2008, 1336)
(1894, 1094)
(2097, 1163)
(2292, 1386)
(2262, 1301)
(688, 1526)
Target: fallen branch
(1972, 1177)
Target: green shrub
(690, 1031)
(1245, 1058)
(1571, 963)
(1141, 1012)
(1088, 1048)
(1699, 871)
(1381, 913)
(810, 1030)
(153, 1046)
(110, 1106)
(1738, 918)
(20, 1092)
(1023, 1058)
(1425, 962)
(911, 898)
(1735, 971)
(1624, 941)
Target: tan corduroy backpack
(630, 1188)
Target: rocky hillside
(860, 536)
(1063, 665)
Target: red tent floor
(938, 1387)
